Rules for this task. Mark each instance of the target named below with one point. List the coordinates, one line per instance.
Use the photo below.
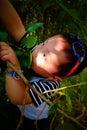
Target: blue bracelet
(10, 73)
(13, 74)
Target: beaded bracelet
(14, 74)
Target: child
(53, 59)
(11, 20)
(58, 57)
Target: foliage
(73, 101)
(23, 49)
(56, 17)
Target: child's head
(57, 56)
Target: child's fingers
(4, 55)
(4, 45)
(5, 51)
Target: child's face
(48, 55)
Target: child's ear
(54, 78)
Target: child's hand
(8, 54)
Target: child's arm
(11, 20)
(15, 89)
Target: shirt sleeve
(42, 86)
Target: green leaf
(25, 61)
(3, 35)
(33, 26)
(83, 93)
(19, 53)
(29, 42)
(53, 109)
(69, 103)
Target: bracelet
(14, 74)
(24, 36)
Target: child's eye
(43, 43)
